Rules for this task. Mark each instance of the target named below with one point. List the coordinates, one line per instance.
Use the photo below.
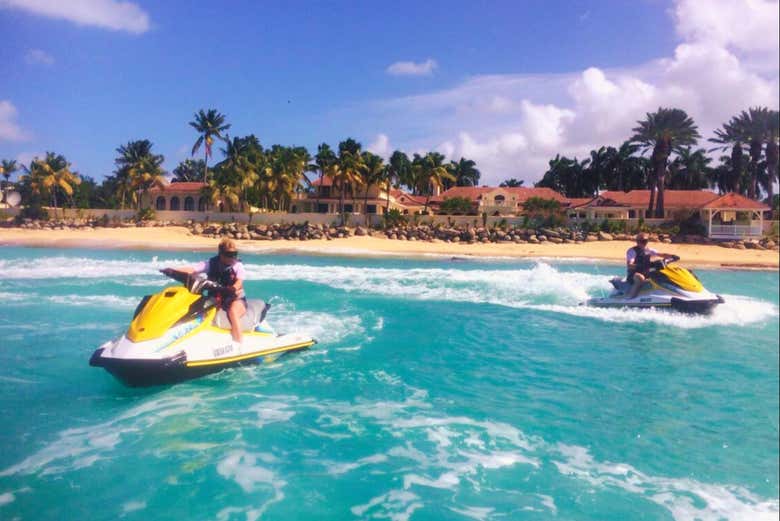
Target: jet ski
(181, 333)
(667, 286)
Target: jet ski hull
(140, 372)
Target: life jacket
(220, 273)
(641, 262)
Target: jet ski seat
(255, 313)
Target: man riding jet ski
(657, 284)
(187, 331)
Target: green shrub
(34, 211)
(456, 206)
(394, 218)
(145, 214)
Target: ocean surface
(441, 389)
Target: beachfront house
(495, 201)
(325, 197)
(729, 216)
(186, 197)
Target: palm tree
(139, 167)
(348, 175)
(209, 125)
(772, 136)
(753, 127)
(373, 173)
(465, 173)
(189, 170)
(7, 167)
(238, 169)
(512, 183)
(664, 131)
(431, 174)
(570, 177)
(51, 174)
(323, 161)
(398, 168)
(690, 170)
(732, 170)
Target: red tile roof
(735, 201)
(475, 193)
(576, 202)
(326, 181)
(407, 199)
(672, 198)
(181, 187)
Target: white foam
(6, 497)
(343, 468)
(62, 267)
(478, 513)
(111, 301)
(675, 494)
(241, 466)
(132, 506)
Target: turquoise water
(440, 390)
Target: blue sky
(505, 83)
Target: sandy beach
(179, 238)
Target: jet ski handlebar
(197, 283)
(660, 264)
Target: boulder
(604, 236)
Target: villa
(187, 196)
(728, 216)
(495, 201)
(325, 197)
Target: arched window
(160, 203)
(174, 203)
(202, 204)
(189, 204)
(500, 200)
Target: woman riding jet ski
(657, 284)
(184, 332)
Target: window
(189, 204)
(174, 203)
(202, 204)
(632, 214)
(499, 200)
(160, 203)
(348, 208)
(324, 191)
(322, 208)
(371, 208)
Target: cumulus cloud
(513, 124)
(380, 146)
(106, 14)
(38, 57)
(411, 68)
(9, 128)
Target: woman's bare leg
(235, 312)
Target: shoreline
(179, 238)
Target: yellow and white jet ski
(180, 333)
(667, 286)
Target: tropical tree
(324, 161)
(753, 126)
(398, 168)
(189, 170)
(430, 174)
(512, 183)
(238, 169)
(50, 175)
(772, 137)
(285, 173)
(139, 168)
(664, 131)
(373, 173)
(7, 167)
(570, 177)
(465, 173)
(690, 170)
(210, 125)
(348, 175)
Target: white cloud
(513, 124)
(38, 57)
(380, 146)
(107, 14)
(9, 128)
(412, 69)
